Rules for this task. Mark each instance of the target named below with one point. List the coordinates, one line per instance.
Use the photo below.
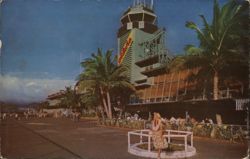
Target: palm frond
(200, 34)
(192, 50)
(216, 18)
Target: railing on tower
(144, 3)
(154, 50)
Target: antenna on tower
(139, 2)
(135, 2)
(152, 4)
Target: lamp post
(248, 133)
(248, 105)
(1, 157)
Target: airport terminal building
(142, 48)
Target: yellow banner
(125, 48)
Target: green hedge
(131, 124)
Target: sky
(43, 41)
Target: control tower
(141, 43)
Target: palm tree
(218, 43)
(70, 98)
(102, 75)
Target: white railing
(185, 135)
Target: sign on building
(240, 103)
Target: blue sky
(43, 40)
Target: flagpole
(1, 44)
(1, 71)
(1, 74)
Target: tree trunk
(216, 86)
(102, 114)
(109, 105)
(104, 102)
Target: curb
(88, 118)
(195, 137)
(218, 140)
(112, 127)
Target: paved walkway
(65, 139)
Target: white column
(185, 143)
(141, 137)
(163, 89)
(192, 137)
(178, 86)
(156, 94)
(170, 87)
(149, 143)
(128, 141)
(168, 136)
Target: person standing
(4, 116)
(159, 141)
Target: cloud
(25, 90)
